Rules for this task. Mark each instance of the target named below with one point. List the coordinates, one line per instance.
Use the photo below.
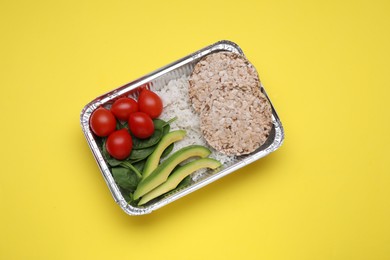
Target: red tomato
(119, 144)
(123, 107)
(141, 125)
(102, 122)
(150, 103)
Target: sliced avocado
(153, 160)
(178, 175)
(161, 173)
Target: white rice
(176, 103)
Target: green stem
(171, 121)
(131, 167)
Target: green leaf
(129, 166)
(127, 195)
(145, 143)
(139, 165)
(125, 178)
(167, 150)
(166, 129)
(185, 182)
(135, 160)
(113, 162)
(159, 123)
(141, 153)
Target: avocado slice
(161, 173)
(178, 175)
(154, 159)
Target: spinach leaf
(139, 165)
(145, 143)
(166, 129)
(127, 195)
(167, 150)
(125, 178)
(185, 182)
(141, 153)
(135, 160)
(129, 166)
(159, 123)
(113, 162)
(165, 125)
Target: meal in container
(181, 127)
(223, 94)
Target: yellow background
(325, 194)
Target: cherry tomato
(150, 103)
(119, 144)
(102, 122)
(141, 125)
(123, 107)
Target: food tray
(156, 79)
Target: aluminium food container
(155, 79)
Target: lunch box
(158, 78)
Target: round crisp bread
(220, 68)
(236, 121)
(235, 116)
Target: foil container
(156, 79)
